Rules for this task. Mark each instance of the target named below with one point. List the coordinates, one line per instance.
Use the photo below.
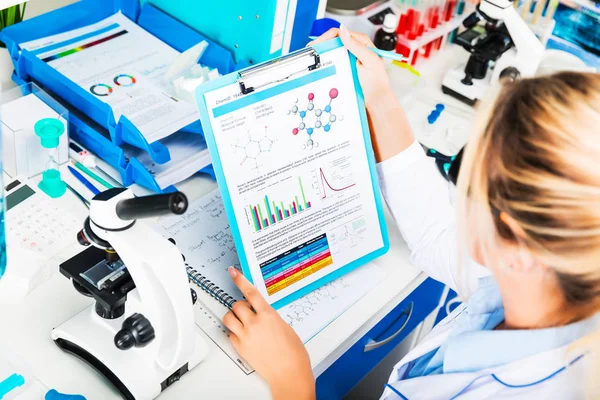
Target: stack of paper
(189, 155)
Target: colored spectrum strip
(296, 264)
(85, 46)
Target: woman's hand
(390, 130)
(269, 344)
(371, 69)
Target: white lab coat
(418, 198)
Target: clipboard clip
(278, 70)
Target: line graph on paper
(347, 236)
(334, 179)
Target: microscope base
(452, 85)
(134, 372)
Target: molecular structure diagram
(253, 146)
(318, 123)
(302, 308)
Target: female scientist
(528, 209)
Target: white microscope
(506, 43)
(140, 333)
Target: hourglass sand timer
(49, 131)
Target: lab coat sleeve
(418, 198)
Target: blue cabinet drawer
(368, 351)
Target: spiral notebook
(209, 287)
(203, 236)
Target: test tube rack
(434, 39)
(539, 16)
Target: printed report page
(296, 168)
(122, 65)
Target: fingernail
(343, 29)
(232, 272)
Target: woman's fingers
(362, 38)
(243, 311)
(249, 291)
(235, 341)
(360, 50)
(233, 323)
(335, 32)
(330, 34)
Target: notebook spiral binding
(209, 287)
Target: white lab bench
(379, 315)
(26, 328)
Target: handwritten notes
(204, 237)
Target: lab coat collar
(557, 370)
(474, 345)
(483, 308)
(478, 350)
(473, 351)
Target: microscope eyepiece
(152, 206)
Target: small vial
(49, 131)
(385, 38)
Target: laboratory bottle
(385, 37)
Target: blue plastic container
(579, 26)
(91, 122)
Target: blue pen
(82, 179)
(390, 55)
(9, 384)
(79, 196)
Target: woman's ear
(519, 257)
(512, 225)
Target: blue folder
(218, 167)
(95, 125)
(243, 27)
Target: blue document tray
(95, 126)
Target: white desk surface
(26, 326)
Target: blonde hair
(535, 155)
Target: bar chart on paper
(274, 210)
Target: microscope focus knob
(510, 74)
(137, 331)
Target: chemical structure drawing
(253, 146)
(302, 308)
(323, 118)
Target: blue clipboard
(220, 176)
